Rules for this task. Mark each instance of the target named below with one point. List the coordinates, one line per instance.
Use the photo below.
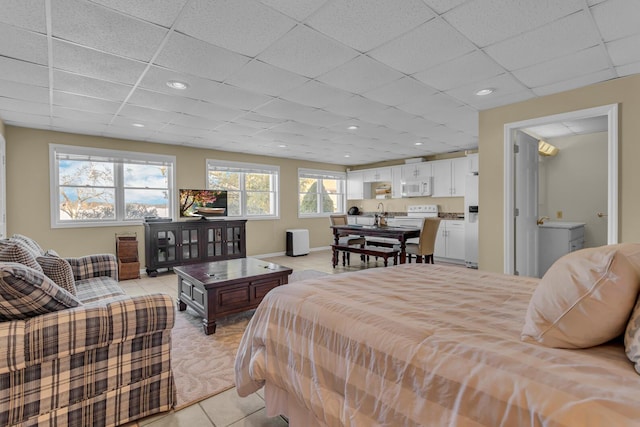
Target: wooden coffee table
(217, 289)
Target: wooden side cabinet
(168, 244)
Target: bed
(421, 344)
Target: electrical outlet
(559, 214)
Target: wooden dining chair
(346, 239)
(426, 243)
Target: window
(95, 187)
(321, 193)
(252, 189)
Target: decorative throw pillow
(12, 250)
(25, 292)
(59, 270)
(583, 300)
(30, 243)
(632, 337)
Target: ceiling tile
(64, 124)
(82, 115)
(299, 9)
(629, 69)
(185, 131)
(503, 84)
(442, 6)
(360, 75)
(79, 102)
(575, 82)
(156, 78)
(590, 125)
(95, 64)
(212, 111)
(16, 118)
(24, 45)
(27, 14)
(258, 120)
(24, 72)
(424, 106)
(161, 101)
(162, 12)
(498, 99)
(243, 26)
(137, 113)
(239, 99)
(400, 91)
(24, 92)
(192, 56)
(356, 106)
(562, 37)
(570, 66)
(624, 51)
(470, 68)
(307, 52)
(486, 22)
(316, 94)
(617, 18)
(265, 78)
(236, 129)
(87, 86)
(365, 24)
(97, 27)
(428, 45)
(195, 121)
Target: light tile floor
(227, 409)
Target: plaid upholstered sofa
(75, 350)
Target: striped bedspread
(428, 345)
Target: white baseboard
(274, 254)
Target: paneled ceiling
(289, 78)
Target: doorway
(520, 253)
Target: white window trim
(322, 174)
(116, 155)
(243, 166)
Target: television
(202, 203)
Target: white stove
(415, 215)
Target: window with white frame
(321, 193)
(252, 189)
(97, 187)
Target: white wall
(575, 182)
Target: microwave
(417, 188)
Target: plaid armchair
(94, 358)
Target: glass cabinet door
(234, 240)
(166, 246)
(190, 243)
(214, 242)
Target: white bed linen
(420, 344)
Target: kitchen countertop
(562, 224)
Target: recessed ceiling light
(282, 145)
(138, 125)
(483, 92)
(418, 143)
(347, 155)
(352, 127)
(175, 84)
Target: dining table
(401, 233)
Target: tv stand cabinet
(169, 244)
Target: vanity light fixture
(352, 127)
(546, 149)
(484, 92)
(175, 84)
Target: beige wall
(1, 127)
(579, 170)
(445, 204)
(624, 91)
(28, 193)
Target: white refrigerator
(471, 221)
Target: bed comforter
(429, 345)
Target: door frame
(611, 111)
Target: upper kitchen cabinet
(356, 188)
(377, 174)
(396, 182)
(416, 171)
(474, 166)
(449, 177)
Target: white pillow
(583, 300)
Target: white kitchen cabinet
(396, 182)
(416, 171)
(356, 187)
(450, 241)
(555, 239)
(474, 165)
(449, 177)
(377, 175)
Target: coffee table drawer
(233, 297)
(259, 288)
(192, 293)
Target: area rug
(203, 364)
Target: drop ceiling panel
(145, 114)
(365, 24)
(100, 28)
(316, 94)
(624, 51)
(570, 66)
(617, 18)
(161, 101)
(264, 78)
(239, 99)
(503, 85)
(162, 12)
(28, 14)
(192, 56)
(24, 72)
(627, 70)
(212, 111)
(79, 102)
(442, 6)
(87, 86)
(485, 22)
(469, 68)
(564, 36)
(197, 122)
(244, 26)
(400, 91)
(24, 92)
(24, 45)
(82, 115)
(156, 78)
(299, 9)
(92, 63)
(16, 118)
(424, 106)
(428, 45)
(306, 52)
(356, 106)
(575, 82)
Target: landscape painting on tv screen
(203, 203)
